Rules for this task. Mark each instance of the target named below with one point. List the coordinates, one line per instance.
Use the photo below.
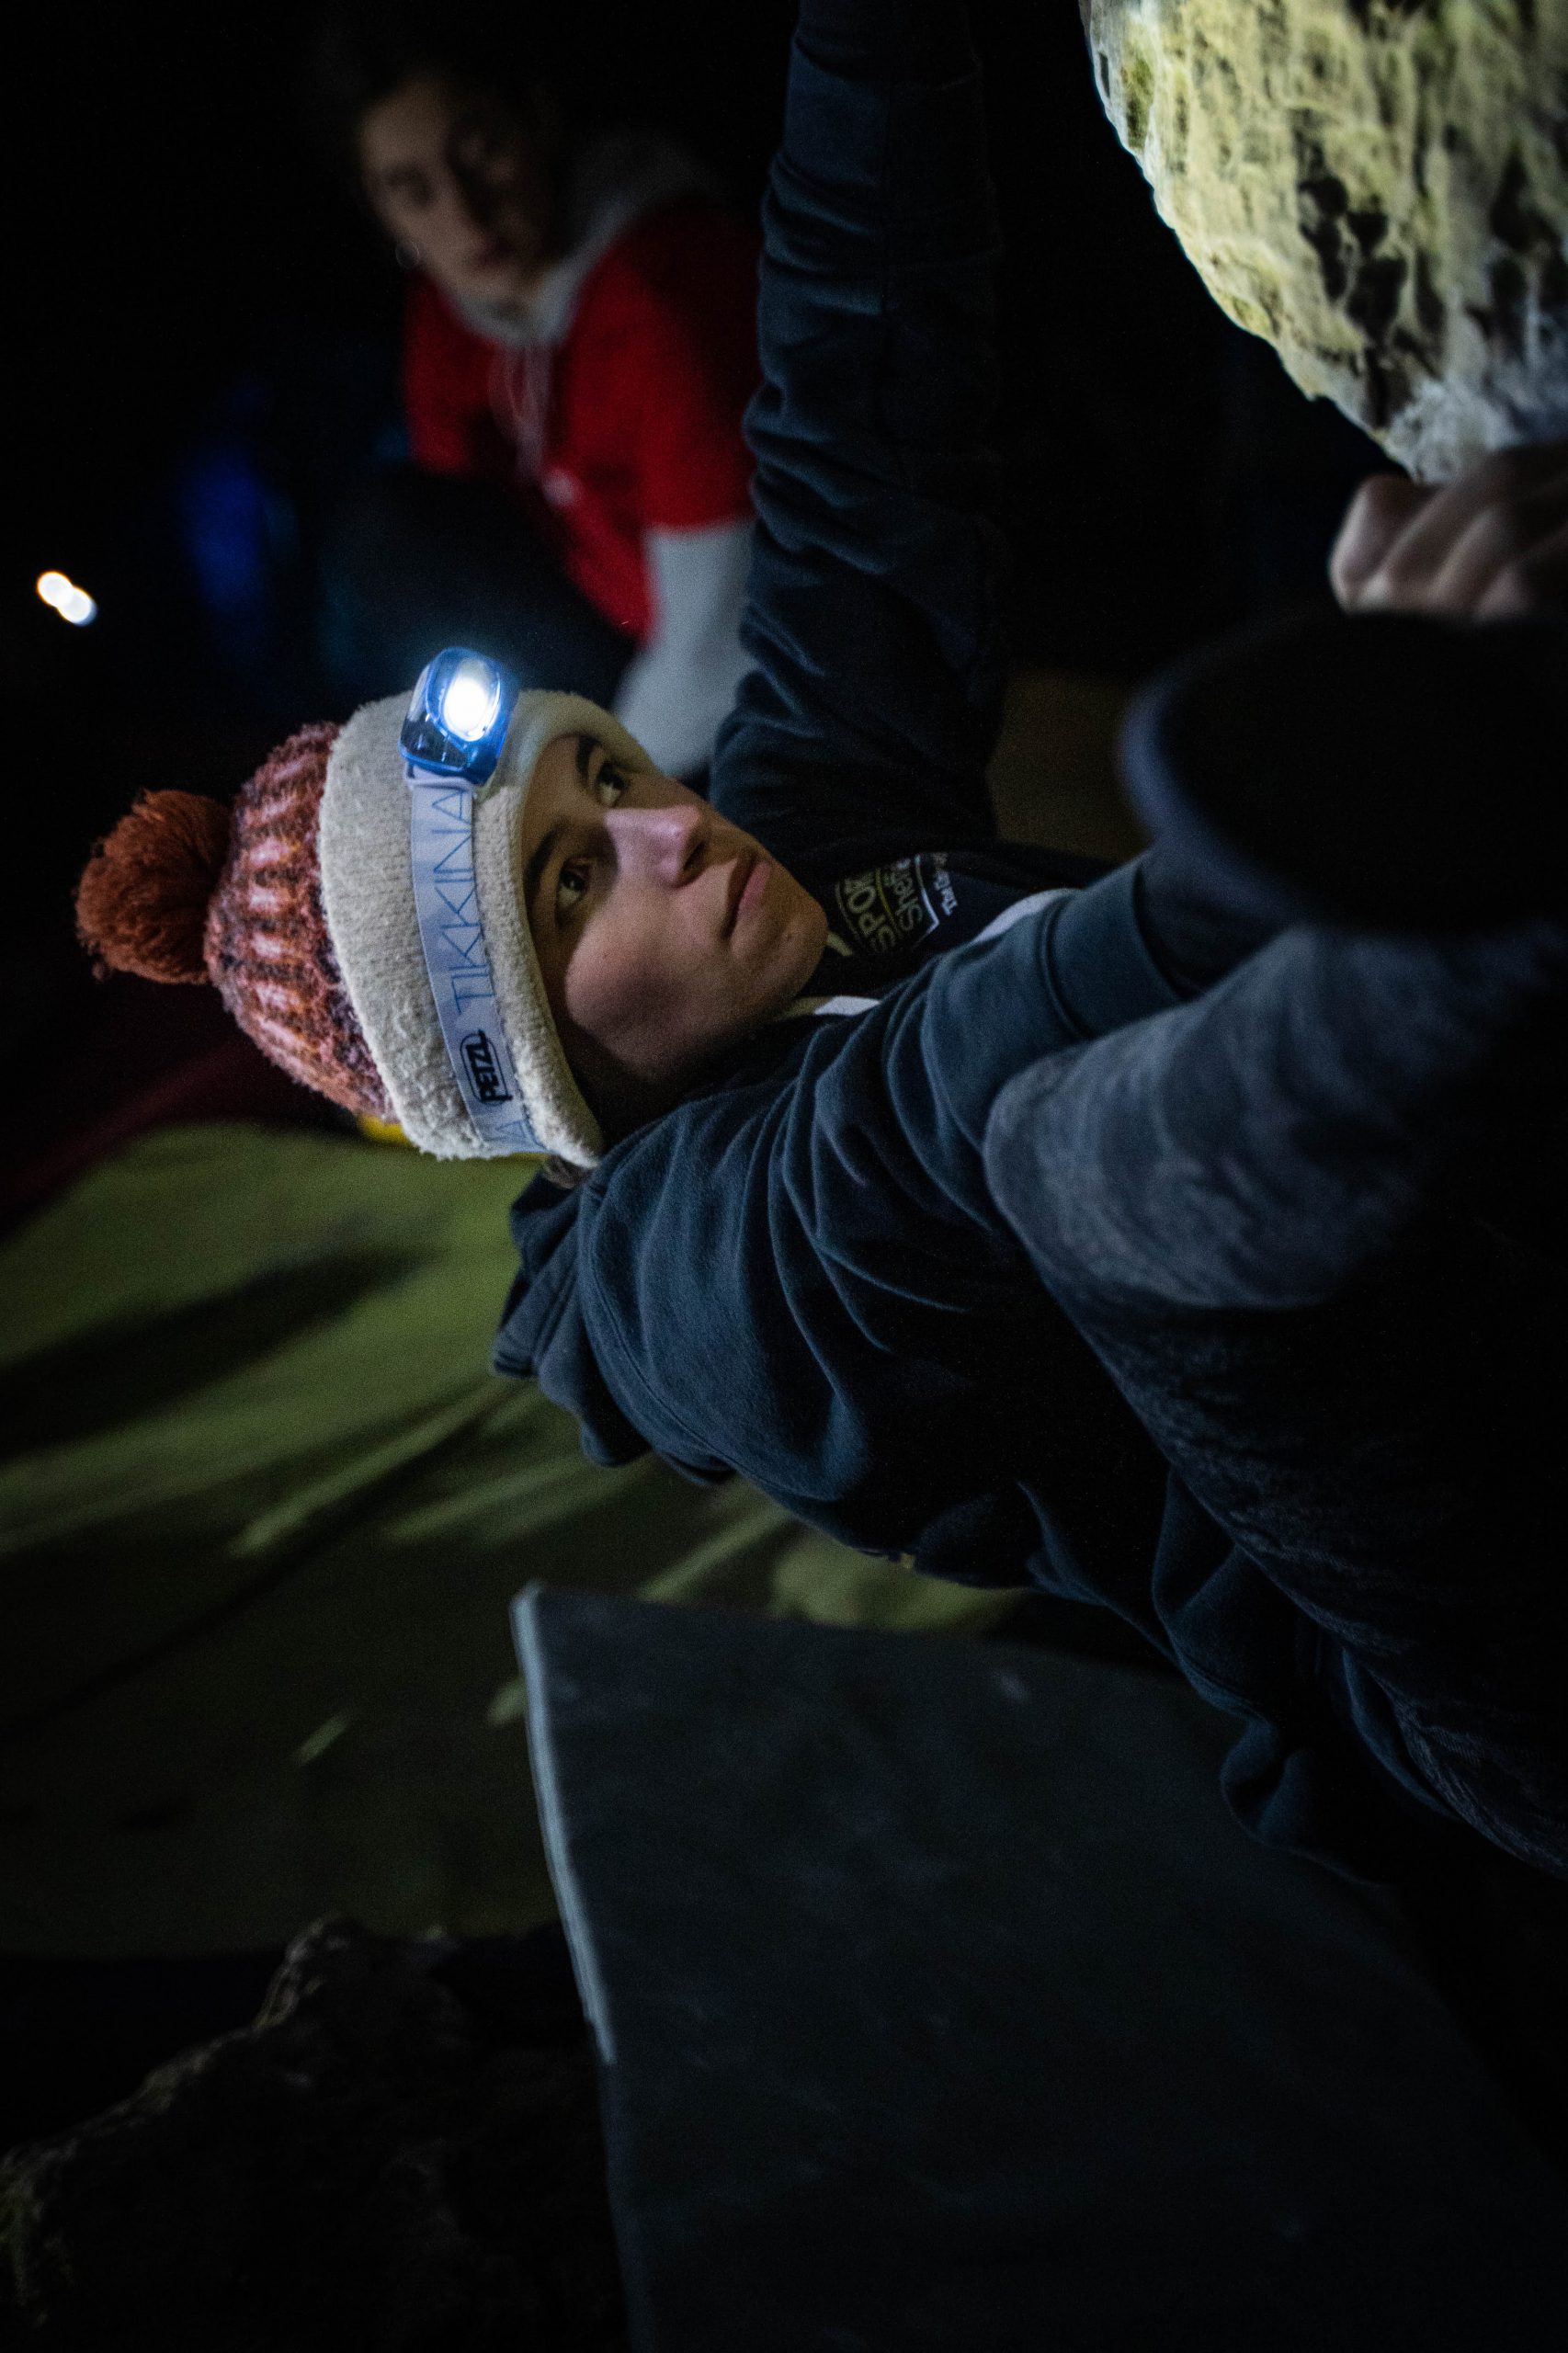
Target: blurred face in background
(465, 185)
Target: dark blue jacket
(800, 1273)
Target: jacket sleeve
(688, 360)
(678, 687)
(806, 1279)
(873, 614)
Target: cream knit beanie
(300, 906)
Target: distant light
(72, 604)
(471, 700)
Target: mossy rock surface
(1379, 187)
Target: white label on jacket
(1018, 910)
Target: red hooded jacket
(625, 421)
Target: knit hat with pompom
(298, 906)
(183, 891)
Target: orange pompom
(141, 904)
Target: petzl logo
(484, 1069)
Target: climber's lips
(748, 887)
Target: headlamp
(457, 719)
(450, 742)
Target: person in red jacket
(579, 348)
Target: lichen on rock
(1379, 187)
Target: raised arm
(872, 610)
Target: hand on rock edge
(1490, 545)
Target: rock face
(379, 2162)
(1379, 187)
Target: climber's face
(663, 933)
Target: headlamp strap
(445, 901)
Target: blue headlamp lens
(458, 720)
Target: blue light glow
(471, 699)
(459, 716)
